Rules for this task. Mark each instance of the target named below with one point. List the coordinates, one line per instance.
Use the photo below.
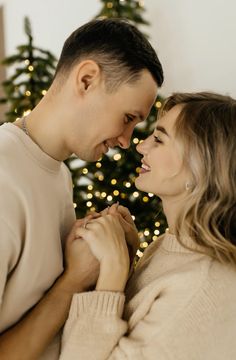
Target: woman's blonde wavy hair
(206, 126)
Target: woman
(180, 302)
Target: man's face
(108, 119)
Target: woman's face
(163, 172)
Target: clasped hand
(100, 248)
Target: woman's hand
(106, 239)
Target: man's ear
(88, 75)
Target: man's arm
(30, 336)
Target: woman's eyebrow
(162, 129)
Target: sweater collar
(33, 149)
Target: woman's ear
(88, 75)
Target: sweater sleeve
(94, 326)
(8, 254)
(96, 331)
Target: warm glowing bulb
(154, 237)
(127, 184)
(89, 196)
(44, 92)
(98, 165)
(135, 194)
(75, 205)
(139, 253)
(85, 171)
(109, 198)
(116, 192)
(109, 5)
(89, 203)
(158, 104)
(117, 157)
(135, 140)
(146, 232)
(157, 224)
(26, 112)
(90, 187)
(103, 194)
(145, 199)
(30, 68)
(138, 170)
(100, 177)
(156, 232)
(113, 181)
(150, 194)
(27, 93)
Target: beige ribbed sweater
(36, 213)
(178, 305)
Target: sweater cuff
(97, 303)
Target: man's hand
(81, 267)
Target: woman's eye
(158, 140)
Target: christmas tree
(33, 76)
(97, 185)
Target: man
(105, 83)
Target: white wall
(195, 39)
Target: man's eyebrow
(162, 129)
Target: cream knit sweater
(36, 213)
(178, 305)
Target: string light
(85, 171)
(98, 165)
(144, 245)
(26, 112)
(44, 92)
(30, 68)
(139, 253)
(89, 196)
(27, 62)
(109, 5)
(157, 224)
(109, 198)
(117, 157)
(27, 93)
(116, 192)
(75, 205)
(90, 187)
(89, 204)
(154, 237)
(138, 170)
(100, 177)
(97, 193)
(158, 104)
(127, 184)
(93, 209)
(156, 232)
(136, 194)
(123, 195)
(133, 217)
(113, 181)
(145, 199)
(103, 194)
(136, 141)
(146, 232)
(150, 194)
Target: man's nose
(124, 139)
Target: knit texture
(179, 305)
(36, 214)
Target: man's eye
(158, 140)
(128, 119)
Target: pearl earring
(188, 186)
